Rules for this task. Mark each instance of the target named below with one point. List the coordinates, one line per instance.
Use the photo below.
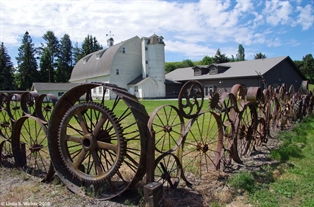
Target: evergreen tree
(6, 70)
(240, 56)
(307, 67)
(27, 65)
(89, 45)
(220, 58)
(259, 56)
(65, 63)
(46, 66)
(51, 47)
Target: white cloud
(278, 12)
(305, 18)
(194, 29)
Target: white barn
(136, 64)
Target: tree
(240, 56)
(220, 58)
(65, 61)
(6, 70)
(50, 47)
(27, 65)
(46, 66)
(259, 56)
(206, 60)
(307, 67)
(187, 63)
(89, 45)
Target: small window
(98, 55)
(146, 61)
(117, 72)
(94, 90)
(100, 90)
(146, 48)
(86, 59)
(135, 88)
(60, 93)
(123, 49)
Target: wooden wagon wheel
(98, 148)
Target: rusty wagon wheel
(5, 134)
(191, 99)
(202, 145)
(28, 102)
(228, 112)
(44, 106)
(246, 130)
(168, 126)
(13, 104)
(98, 148)
(168, 170)
(30, 147)
(239, 92)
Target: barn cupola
(110, 41)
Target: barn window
(123, 49)
(60, 93)
(100, 90)
(117, 72)
(135, 88)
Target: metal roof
(239, 69)
(97, 63)
(38, 86)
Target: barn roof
(97, 63)
(248, 68)
(38, 86)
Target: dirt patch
(18, 187)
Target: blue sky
(191, 28)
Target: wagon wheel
(202, 145)
(44, 106)
(28, 102)
(168, 170)
(14, 107)
(5, 133)
(5, 124)
(168, 126)
(93, 149)
(228, 115)
(98, 149)
(246, 131)
(239, 92)
(190, 99)
(274, 111)
(291, 90)
(30, 147)
(3, 99)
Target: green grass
(289, 183)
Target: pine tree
(240, 56)
(220, 58)
(65, 63)
(46, 66)
(27, 65)
(89, 45)
(6, 70)
(259, 56)
(51, 47)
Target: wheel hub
(89, 143)
(202, 147)
(35, 148)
